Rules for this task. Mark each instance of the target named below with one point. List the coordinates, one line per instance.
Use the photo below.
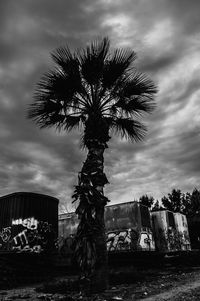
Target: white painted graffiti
(129, 239)
(29, 223)
(45, 226)
(146, 241)
(27, 235)
(119, 240)
(27, 248)
(21, 238)
(32, 224)
(5, 234)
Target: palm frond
(134, 95)
(63, 57)
(94, 84)
(54, 120)
(92, 60)
(70, 66)
(72, 122)
(46, 121)
(117, 66)
(134, 106)
(130, 129)
(140, 85)
(54, 93)
(56, 85)
(68, 63)
(42, 108)
(49, 114)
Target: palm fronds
(67, 61)
(92, 60)
(130, 129)
(116, 67)
(88, 86)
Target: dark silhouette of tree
(194, 205)
(146, 200)
(99, 92)
(174, 201)
(187, 203)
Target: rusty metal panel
(128, 228)
(171, 220)
(145, 217)
(182, 228)
(170, 231)
(123, 216)
(28, 222)
(160, 228)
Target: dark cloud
(186, 14)
(165, 35)
(152, 63)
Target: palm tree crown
(96, 88)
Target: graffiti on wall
(146, 241)
(173, 240)
(124, 240)
(118, 240)
(27, 235)
(130, 239)
(5, 234)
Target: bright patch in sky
(160, 35)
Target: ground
(167, 282)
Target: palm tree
(99, 91)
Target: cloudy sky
(166, 36)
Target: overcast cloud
(166, 36)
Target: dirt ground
(167, 283)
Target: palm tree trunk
(91, 249)
(99, 281)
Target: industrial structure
(28, 222)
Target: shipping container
(28, 223)
(128, 228)
(170, 231)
